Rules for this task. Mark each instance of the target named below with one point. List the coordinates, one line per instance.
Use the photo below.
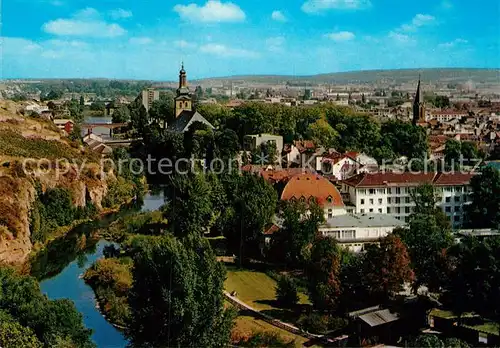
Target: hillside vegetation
(23, 186)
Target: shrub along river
(60, 268)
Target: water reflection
(62, 262)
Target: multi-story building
(149, 95)
(309, 187)
(390, 193)
(354, 231)
(252, 142)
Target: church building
(184, 112)
(418, 106)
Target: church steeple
(183, 100)
(182, 77)
(418, 105)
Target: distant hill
(456, 75)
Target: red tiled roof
(315, 186)
(304, 145)
(388, 179)
(274, 176)
(270, 230)
(407, 179)
(449, 112)
(443, 179)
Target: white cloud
(275, 44)
(86, 22)
(400, 38)
(142, 40)
(420, 20)
(64, 43)
(278, 16)
(18, 45)
(225, 51)
(213, 11)
(120, 13)
(453, 43)
(341, 36)
(87, 13)
(184, 44)
(314, 6)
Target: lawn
(247, 325)
(256, 289)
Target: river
(62, 266)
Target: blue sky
(148, 39)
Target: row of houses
(368, 206)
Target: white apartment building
(448, 115)
(390, 193)
(355, 231)
(149, 95)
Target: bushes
(14, 335)
(50, 321)
(264, 339)
(321, 323)
(119, 191)
(286, 292)
(54, 209)
(111, 279)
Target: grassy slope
(255, 288)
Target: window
(398, 210)
(388, 200)
(398, 190)
(381, 191)
(448, 189)
(389, 191)
(371, 210)
(362, 211)
(388, 210)
(407, 210)
(407, 218)
(362, 192)
(448, 209)
(371, 201)
(334, 234)
(351, 234)
(404, 189)
(458, 198)
(456, 209)
(456, 218)
(362, 201)
(380, 200)
(371, 191)
(302, 199)
(380, 210)
(448, 199)
(398, 200)
(407, 200)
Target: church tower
(418, 106)
(183, 100)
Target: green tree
(50, 321)
(177, 295)
(162, 110)
(484, 211)
(452, 152)
(323, 134)
(286, 292)
(139, 116)
(475, 277)
(253, 203)
(265, 153)
(189, 204)
(454, 342)
(82, 101)
(121, 115)
(324, 274)
(427, 341)
(14, 335)
(292, 244)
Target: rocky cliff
(22, 138)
